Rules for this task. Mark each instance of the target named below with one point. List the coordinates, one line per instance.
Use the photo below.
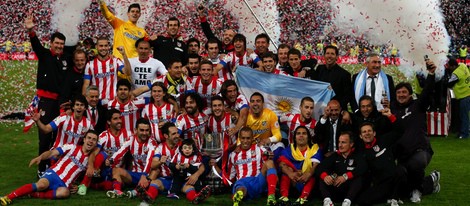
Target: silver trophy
(213, 145)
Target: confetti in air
(67, 18)
(415, 27)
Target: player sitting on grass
(55, 181)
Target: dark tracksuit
(51, 72)
(388, 179)
(413, 150)
(354, 165)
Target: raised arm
(42, 127)
(127, 65)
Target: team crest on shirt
(264, 123)
(146, 149)
(65, 65)
(376, 148)
(351, 162)
(139, 33)
(213, 92)
(178, 44)
(253, 153)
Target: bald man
(329, 128)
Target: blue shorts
(135, 176)
(166, 181)
(107, 174)
(54, 179)
(255, 186)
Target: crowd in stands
(302, 24)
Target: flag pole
(259, 22)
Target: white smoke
(267, 13)
(416, 28)
(67, 17)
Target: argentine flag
(282, 94)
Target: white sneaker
(436, 177)
(346, 202)
(415, 196)
(327, 202)
(394, 202)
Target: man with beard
(103, 70)
(73, 82)
(217, 124)
(226, 45)
(71, 128)
(193, 65)
(193, 46)
(55, 181)
(235, 103)
(110, 141)
(125, 33)
(169, 46)
(265, 125)
(143, 69)
(142, 149)
(305, 118)
(193, 123)
(269, 63)
(206, 85)
(220, 67)
(331, 72)
(129, 108)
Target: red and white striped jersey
(222, 126)
(293, 121)
(246, 163)
(110, 143)
(69, 130)
(192, 127)
(129, 111)
(164, 150)
(103, 74)
(240, 103)
(207, 91)
(142, 154)
(194, 160)
(156, 114)
(280, 72)
(72, 162)
(224, 73)
(232, 60)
